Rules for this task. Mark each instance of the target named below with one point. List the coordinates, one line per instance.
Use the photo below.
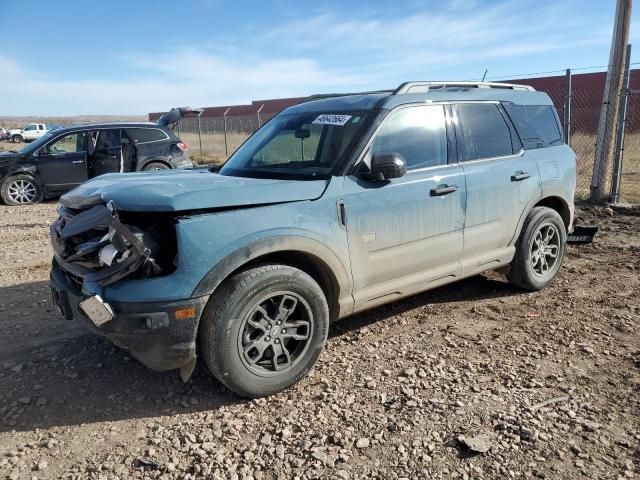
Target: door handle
(443, 190)
(519, 176)
(78, 161)
(113, 157)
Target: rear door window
(146, 135)
(537, 125)
(107, 139)
(482, 131)
(416, 133)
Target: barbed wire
(548, 72)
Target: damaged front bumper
(94, 249)
(159, 334)
(95, 246)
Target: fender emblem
(369, 238)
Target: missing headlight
(103, 245)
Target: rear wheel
(21, 190)
(155, 166)
(540, 250)
(264, 329)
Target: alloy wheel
(276, 333)
(545, 249)
(22, 191)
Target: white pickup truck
(28, 132)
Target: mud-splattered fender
(257, 248)
(556, 192)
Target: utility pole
(606, 139)
(622, 122)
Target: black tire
(17, 139)
(21, 189)
(226, 321)
(155, 166)
(527, 268)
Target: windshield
(305, 146)
(36, 144)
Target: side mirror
(385, 166)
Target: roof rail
(319, 96)
(423, 87)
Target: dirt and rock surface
(472, 380)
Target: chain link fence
(582, 137)
(630, 172)
(213, 139)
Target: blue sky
(76, 57)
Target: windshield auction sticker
(332, 119)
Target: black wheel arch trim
(341, 303)
(550, 194)
(22, 171)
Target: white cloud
(318, 53)
(198, 78)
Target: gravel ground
(472, 380)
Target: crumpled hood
(180, 190)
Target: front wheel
(17, 139)
(540, 250)
(21, 190)
(263, 329)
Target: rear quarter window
(146, 135)
(537, 125)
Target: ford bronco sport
(334, 206)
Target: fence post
(566, 112)
(226, 145)
(622, 121)
(258, 113)
(199, 133)
(606, 139)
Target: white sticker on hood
(331, 119)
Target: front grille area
(75, 280)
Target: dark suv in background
(66, 157)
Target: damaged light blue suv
(336, 205)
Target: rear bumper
(149, 331)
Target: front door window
(73, 143)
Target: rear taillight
(183, 146)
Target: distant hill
(16, 122)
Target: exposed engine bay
(101, 245)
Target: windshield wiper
(293, 164)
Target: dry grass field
(584, 146)
(213, 148)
